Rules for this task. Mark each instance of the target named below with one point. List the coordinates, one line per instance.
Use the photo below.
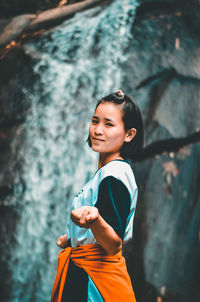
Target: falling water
(75, 63)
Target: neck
(105, 158)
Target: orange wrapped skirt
(108, 272)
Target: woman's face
(106, 130)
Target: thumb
(91, 217)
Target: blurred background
(55, 64)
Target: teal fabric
(114, 191)
(93, 293)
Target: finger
(93, 215)
(60, 238)
(83, 217)
(59, 243)
(85, 225)
(76, 214)
(65, 237)
(91, 218)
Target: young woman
(90, 266)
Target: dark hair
(132, 118)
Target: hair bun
(120, 93)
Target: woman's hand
(62, 241)
(88, 217)
(84, 216)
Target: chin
(96, 149)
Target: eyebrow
(106, 119)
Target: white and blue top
(113, 191)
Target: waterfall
(76, 63)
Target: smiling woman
(107, 132)
(91, 265)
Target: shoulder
(120, 170)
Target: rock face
(162, 71)
(165, 249)
(163, 68)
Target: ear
(130, 135)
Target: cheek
(90, 129)
(118, 135)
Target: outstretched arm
(89, 217)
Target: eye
(109, 124)
(94, 121)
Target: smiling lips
(97, 139)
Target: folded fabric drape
(108, 272)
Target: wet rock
(162, 73)
(165, 244)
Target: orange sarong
(108, 272)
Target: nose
(98, 129)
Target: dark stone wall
(163, 73)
